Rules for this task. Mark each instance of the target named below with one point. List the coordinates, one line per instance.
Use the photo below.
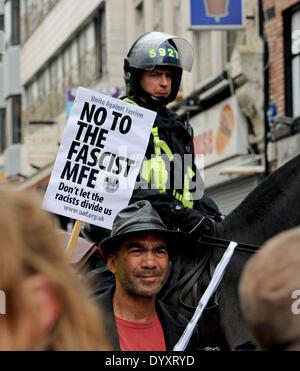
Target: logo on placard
(111, 184)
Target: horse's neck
(273, 206)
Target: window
(41, 84)
(2, 130)
(81, 44)
(30, 94)
(12, 22)
(158, 18)
(53, 73)
(292, 60)
(139, 18)
(34, 11)
(15, 22)
(210, 55)
(178, 18)
(16, 119)
(202, 57)
(296, 62)
(231, 41)
(66, 59)
(2, 38)
(46, 6)
(100, 38)
(2, 22)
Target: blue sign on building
(216, 14)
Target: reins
(189, 282)
(212, 242)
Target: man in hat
(269, 293)
(137, 253)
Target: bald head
(269, 288)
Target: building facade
(70, 43)
(226, 106)
(282, 34)
(10, 89)
(2, 101)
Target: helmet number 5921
(152, 53)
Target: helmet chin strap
(160, 102)
(152, 101)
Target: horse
(269, 209)
(272, 207)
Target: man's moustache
(148, 274)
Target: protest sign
(103, 146)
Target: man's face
(140, 265)
(157, 82)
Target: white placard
(103, 146)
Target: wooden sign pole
(73, 239)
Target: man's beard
(134, 289)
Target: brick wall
(274, 35)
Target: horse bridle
(190, 280)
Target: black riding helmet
(152, 50)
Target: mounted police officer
(168, 178)
(153, 70)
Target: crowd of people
(48, 306)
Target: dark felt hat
(140, 217)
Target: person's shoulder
(104, 299)
(172, 114)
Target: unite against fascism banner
(99, 158)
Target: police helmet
(152, 50)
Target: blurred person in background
(46, 306)
(269, 291)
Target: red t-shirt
(143, 336)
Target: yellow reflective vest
(155, 172)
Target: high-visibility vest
(154, 170)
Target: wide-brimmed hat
(141, 217)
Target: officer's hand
(193, 222)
